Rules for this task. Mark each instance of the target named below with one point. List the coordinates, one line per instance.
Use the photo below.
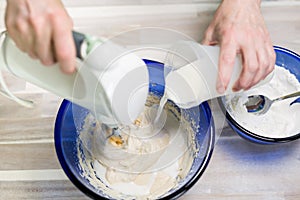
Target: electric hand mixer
(110, 81)
(113, 83)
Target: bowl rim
(60, 155)
(90, 193)
(208, 155)
(243, 131)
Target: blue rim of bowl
(60, 155)
(250, 135)
(90, 193)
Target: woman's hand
(43, 29)
(238, 27)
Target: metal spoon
(259, 104)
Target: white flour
(282, 120)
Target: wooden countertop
(239, 170)
(29, 168)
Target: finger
(272, 57)
(33, 56)
(266, 61)
(263, 65)
(19, 28)
(226, 63)
(26, 41)
(208, 37)
(64, 46)
(23, 36)
(43, 42)
(250, 68)
(11, 25)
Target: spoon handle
(295, 94)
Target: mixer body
(111, 82)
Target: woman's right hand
(42, 29)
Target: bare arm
(239, 28)
(42, 28)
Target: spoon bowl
(259, 104)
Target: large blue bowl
(290, 61)
(66, 142)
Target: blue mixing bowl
(290, 61)
(66, 139)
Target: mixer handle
(85, 44)
(79, 40)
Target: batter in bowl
(144, 161)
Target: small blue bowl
(290, 61)
(66, 140)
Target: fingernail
(48, 62)
(69, 70)
(235, 89)
(32, 55)
(220, 89)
